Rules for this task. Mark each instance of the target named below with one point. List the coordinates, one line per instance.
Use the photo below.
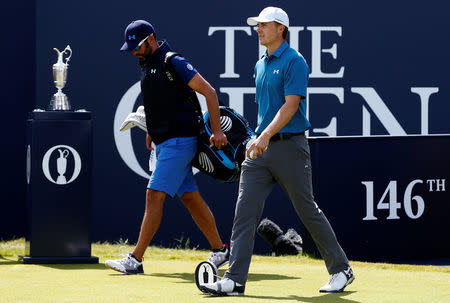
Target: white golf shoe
(128, 265)
(338, 281)
(220, 257)
(224, 287)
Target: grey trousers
(288, 163)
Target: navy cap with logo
(135, 32)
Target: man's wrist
(217, 131)
(266, 134)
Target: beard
(148, 52)
(142, 61)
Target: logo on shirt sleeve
(276, 71)
(189, 66)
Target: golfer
(280, 155)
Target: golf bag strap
(172, 76)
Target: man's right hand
(258, 146)
(148, 142)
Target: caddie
(172, 125)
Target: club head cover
(269, 231)
(135, 119)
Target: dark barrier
(59, 195)
(387, 197)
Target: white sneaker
(337, 282)
(224, 287)
(221, 257)
(128, 265)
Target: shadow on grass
(5, 261)
(259, 277)
(322, 298)
(189, 277)
(186, 277)
(99, 266)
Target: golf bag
(223, 164)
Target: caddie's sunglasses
(142, 42)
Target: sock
(223, 249)
(140, 261)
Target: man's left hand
(218, 139)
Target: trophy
(59, 100)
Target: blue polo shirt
(283, 73)
(183, 69)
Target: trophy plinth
(59, 100)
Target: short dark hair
(285, 32)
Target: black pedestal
(59, 188)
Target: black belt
(284, 136)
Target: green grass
(169, 278)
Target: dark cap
(135, 32)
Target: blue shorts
(173, 171)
